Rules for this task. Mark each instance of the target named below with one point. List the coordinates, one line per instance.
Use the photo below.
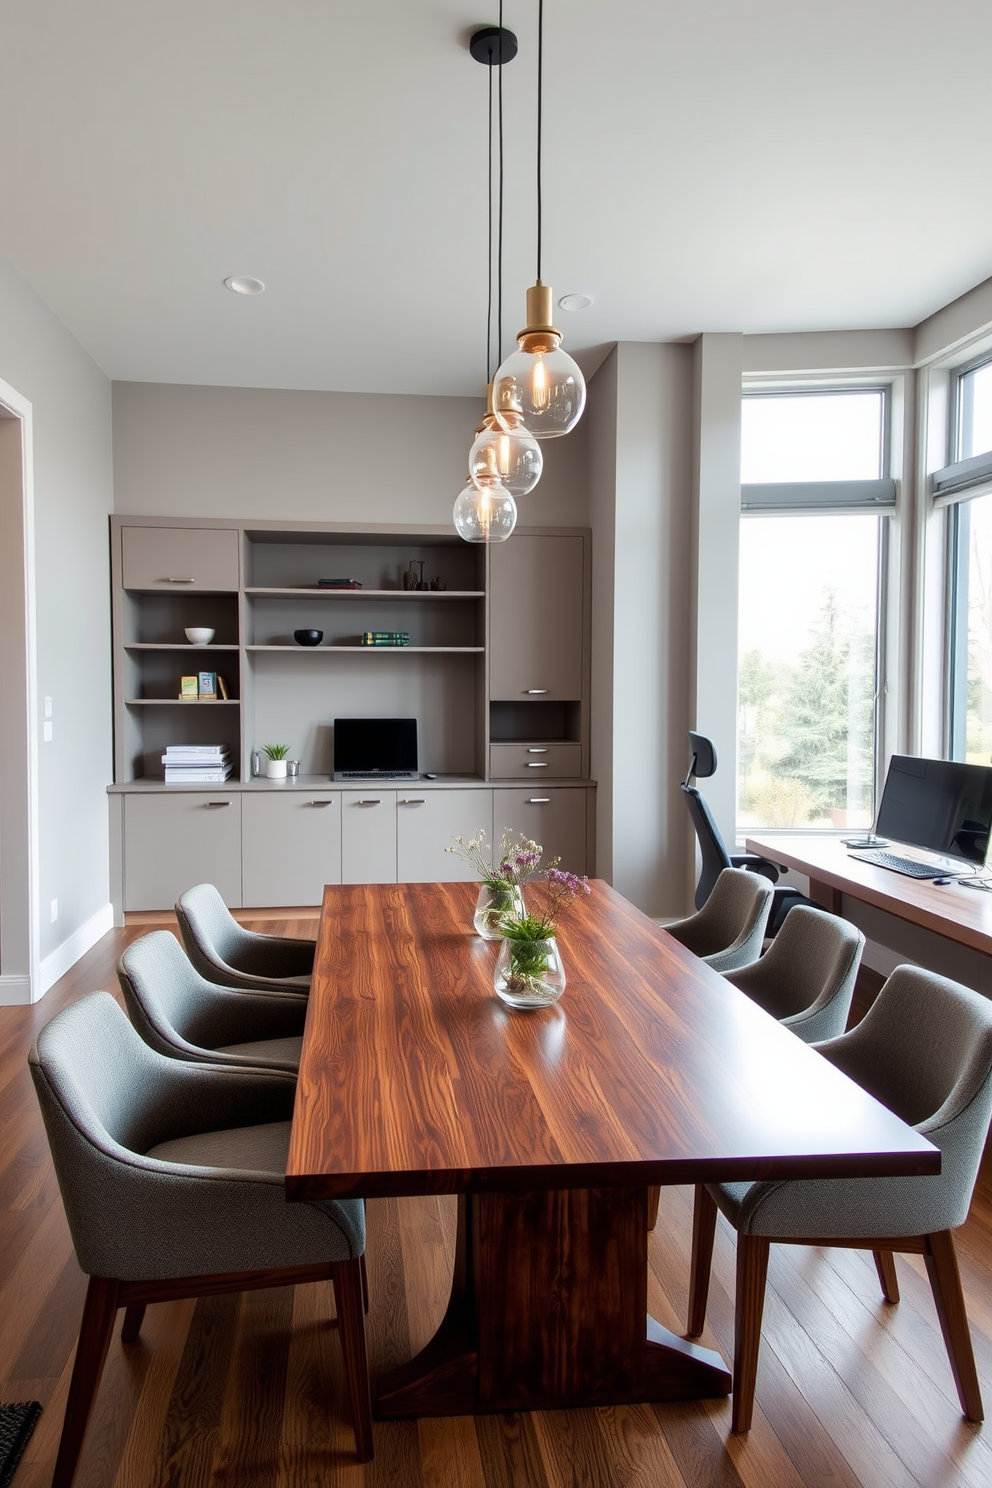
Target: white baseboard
(65, 956)
(880, 959)
(14, 991)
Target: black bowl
(308, 637)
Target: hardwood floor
(248, 1391)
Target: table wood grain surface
(652, 1068)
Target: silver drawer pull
(171, 580)
(535, 691)
(537, 751)
(413, 800)
(539, 800)
(219, 803)
(321, 803)
(537, 764)
(377, 801)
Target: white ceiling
(747, 165)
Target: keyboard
(912, 867)
(375, 775)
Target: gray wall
(324, 457)
(73, 495)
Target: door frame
(20, 925)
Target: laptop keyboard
(910, 866)
(377, 775)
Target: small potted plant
(275, 762)
(529, 971)
(503, 874)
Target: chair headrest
(702, 752)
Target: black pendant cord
(540, 107)
(499, 250)
(489, 299)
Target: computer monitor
(373, 748)
(940, 805)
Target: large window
(812, 554)
(970, 587)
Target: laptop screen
(369, 746)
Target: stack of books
(196, 764)
(385, 638)
(339, 583)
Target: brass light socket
(538, 334)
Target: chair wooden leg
(351, 1325)
(945, 1283)
(99, 1313)
(885, 1265)
(654, 1199)
(134, 1316)
(365, 1282)
(703, 1231)
(752, 1269)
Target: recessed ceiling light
(242, 284)
(575, 302)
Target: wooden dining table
(550, 1126)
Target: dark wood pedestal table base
(550, 1126)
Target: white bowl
(199, 635)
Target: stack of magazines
(196, 764)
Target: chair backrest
(924, 1049)
(731, 921)
(211, 934)
(702, 757)
(165, 995)
(715, 857)
(807, 975)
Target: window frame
(879, 497)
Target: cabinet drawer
(291, 839)
(532, 761)
(179, 559)
(174, 841)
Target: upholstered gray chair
(181, 1014)
(924, 1050)
(225, 952)
(806, 977)
(172, 1177)
(728, 931)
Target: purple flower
(527, 859)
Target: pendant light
(504, 460)
(540, 379)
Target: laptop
(375, 749)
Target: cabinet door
(291, 845)
(368, 836)
(426, 824)
(174, 841)
(179, 559)
(535, 627)
(556, 818)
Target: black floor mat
(16, 1425)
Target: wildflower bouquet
(503, 871)
(529, 972)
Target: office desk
(963, 915)
(550, 1126)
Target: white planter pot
(275, 769)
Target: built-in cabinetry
(495, 672)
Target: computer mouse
(429, 775)
(941, 880)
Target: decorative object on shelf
(539, 379)
(438, 584)
(529, 971)
(275, 760)
(310, 637)
(411, 577)
(503, 872)
(222, 689)
(256, 762)
(292, 769)
(199, 635)
(385, 638)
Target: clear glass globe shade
(548, 388)
(485, 514)
(510, 456)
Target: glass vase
(490, 907)
(529, 973)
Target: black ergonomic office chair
(702, 764)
